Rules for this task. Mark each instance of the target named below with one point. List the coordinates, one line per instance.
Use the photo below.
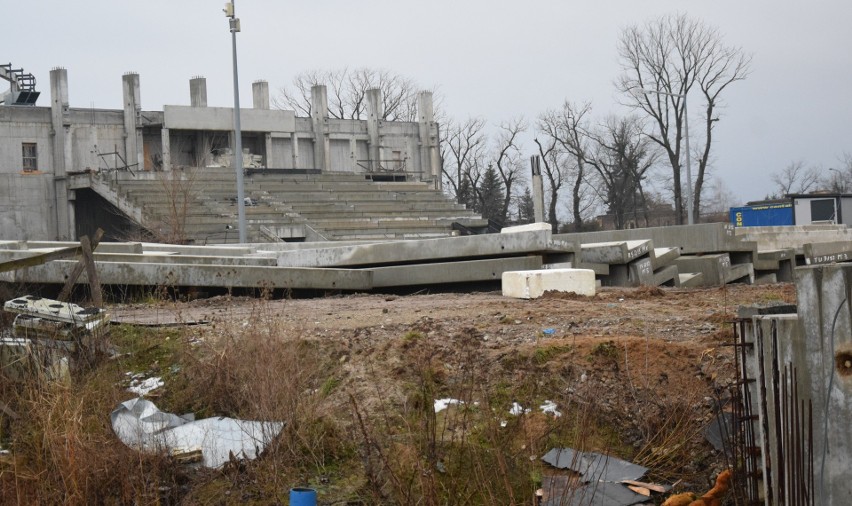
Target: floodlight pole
(689, 217)
(234, 23)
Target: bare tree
(621, 158)
(662, 62)
(508, 160)
(463, 147)
(796, 177)
(347, 93)
(567, 126)
(839, 180)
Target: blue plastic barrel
(303, 497)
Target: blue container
(303, 497)
(762, 215)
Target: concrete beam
(451, 272)
(619, 252)
(428, 250)
(827, 252)
(151, 274)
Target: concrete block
(740, 273)
(533, 284)
(714, 267)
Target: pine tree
(491, 196)
(526, 208)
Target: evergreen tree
(491, 196)
(526, 207)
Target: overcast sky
(491, 58)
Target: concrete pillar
(430, 162)
(267, 154)
(353, 153)
(198, 92)
(260, 95)
(294, 142)
(167, 150)
(319, 121)
(134, 153)
(537, 189)
(60, 130)
(374, 118)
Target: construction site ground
(634, 372)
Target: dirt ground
(634, 373)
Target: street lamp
(234, 23)
(689, 217)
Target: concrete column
(260, 95)
(60, 131)
(319, 121)
(430, 162)
(267, 155)
(198, 92)
(294, 142)
(374, 118)
(537, 189)
(134, 153)
(353, 153)
(167, 150)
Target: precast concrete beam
(233, 276)
(616, 252)
(667, 276)
(451, 272)
(714, 267)
(661, 257)
(690, 279)
(827, 252)
(103, 247)
(427, 250)
(700, 238)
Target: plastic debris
(139, 424)
(146, 386)
(594, 466)
(442, 404)
(549, 408)
(517, 409)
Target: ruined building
(166, 175)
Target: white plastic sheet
(139, 424)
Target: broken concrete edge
(533, 284)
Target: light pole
(234, 23)
(689, 217)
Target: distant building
(795, 209)
(42, 148)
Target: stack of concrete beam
(707, 254)
(439, 261)
(201, 206)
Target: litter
(517, 409)
(594, 466)
(549, 407)
(558, 491)
(139, 424)
(146, 386)
(442, 404)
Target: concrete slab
(617, 252)
(599, 269)
(533, 284)
(740, 273)
(428, 250)
(235, 276)
(690, 239)
(636, 273)
(451, 272)
(104, 247)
